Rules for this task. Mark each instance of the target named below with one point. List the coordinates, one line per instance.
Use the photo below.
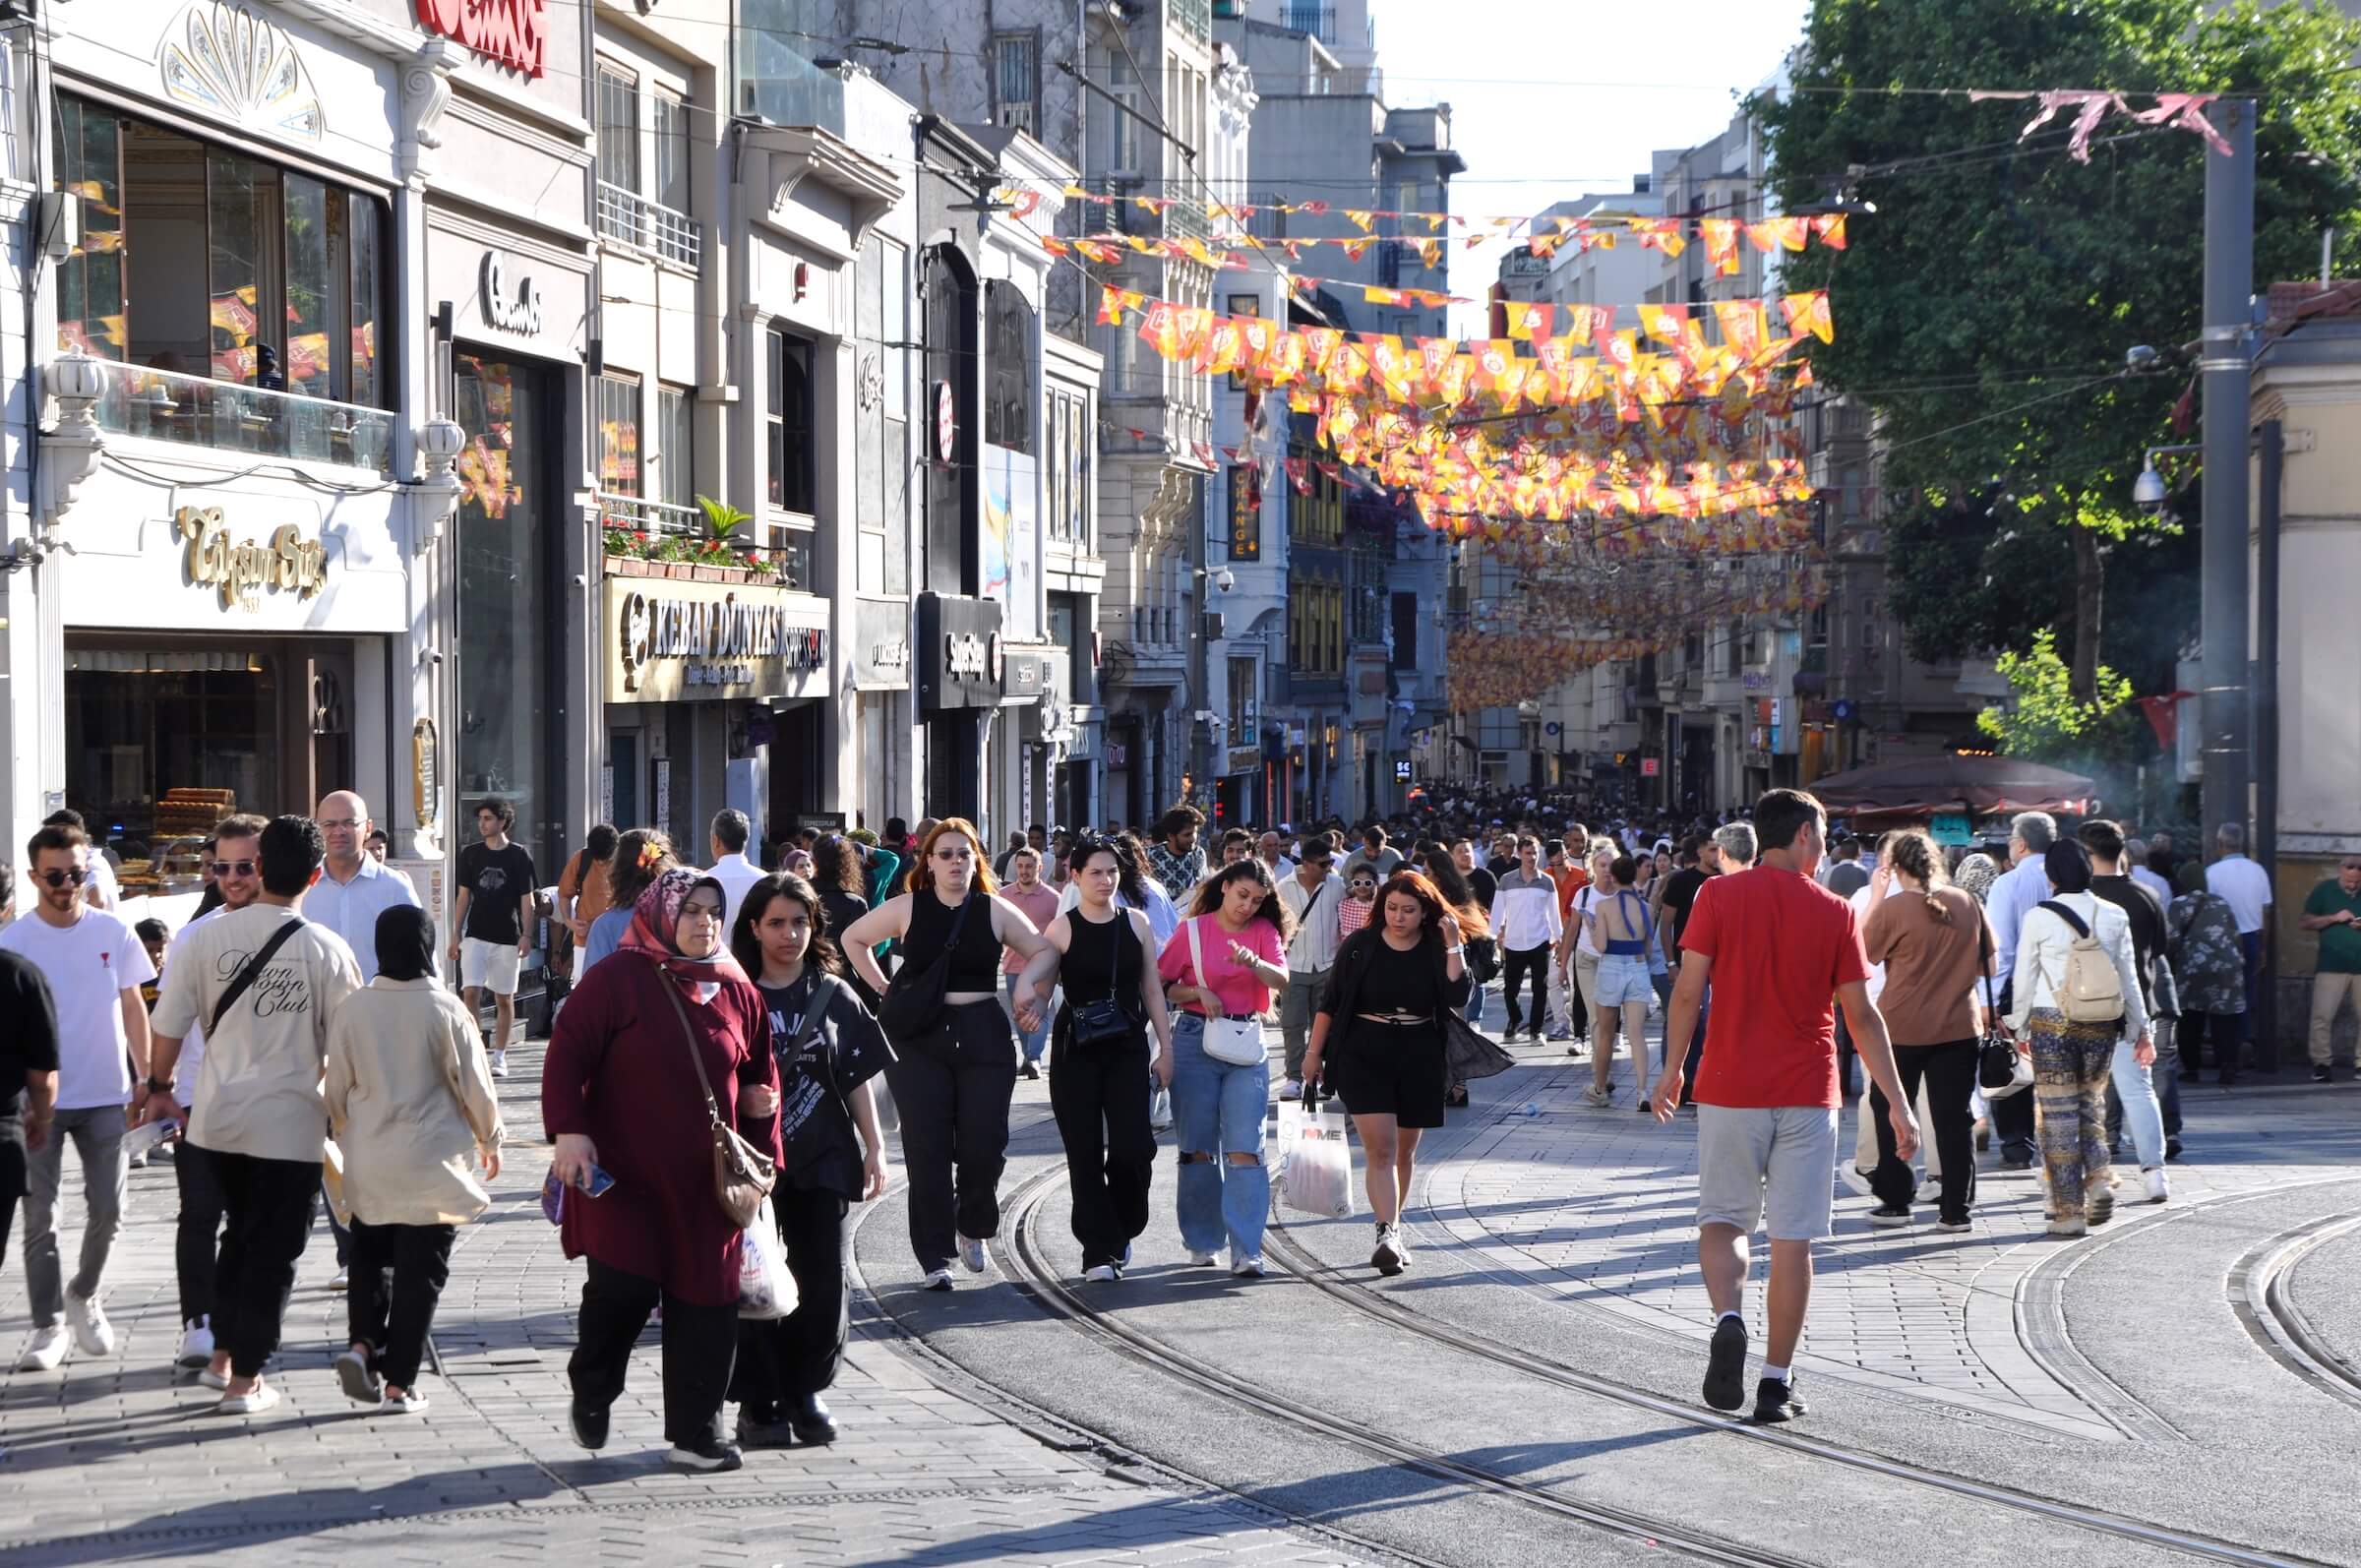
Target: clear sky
(1550, 99)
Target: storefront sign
(516, 32)
(243, 570)
(1028, 677)
(959, 655)
(426, 778)
(881, 645)
(1245, 514)
(1950, 827)
(688, 641)
(1246, 760)
(511, 310)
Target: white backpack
(2090, 992)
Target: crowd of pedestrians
(732, 1032)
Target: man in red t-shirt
(1781, 952)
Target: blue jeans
(2132, 1086)
(1035, 1041)
(1218, 1110)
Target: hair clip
(651, 854)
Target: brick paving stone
(121, 1457)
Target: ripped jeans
(1218, 1110)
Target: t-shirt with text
(88, 965)
(494, 880)
(1780, 945)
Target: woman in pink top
(1242, 930)
(1039, 901)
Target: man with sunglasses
(95, 967)
(233, 872)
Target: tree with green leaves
(2044, 720)
(1985, 308)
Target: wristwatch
(158, 1085)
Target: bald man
(353, 889)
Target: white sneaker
(262, 1396)
(2157, 1190)
(1387, 1258)
(500, 1065)
(407, 1403)
(1247, 1268)
(1203, 1260)
(45, 1352)
(91, 1331)
(936, 1280)
(195, 1344)
(1293, 1089)
(343, 1280)
(213, 1380)
(972, 1253)
(1102, 1273)
(1594, 1096)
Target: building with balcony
(233, 574)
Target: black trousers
(398, 1271)
(700, 1345)
(13, 1175)
(783, 1361)
(952, 1089)
(197, 1233)
(1515, 963)
(268, 1206)
(2222, 1029)
(1948, 1072)
(1099, 1095)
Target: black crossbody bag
(913, 999)
(1103, 1021)
(248, 973)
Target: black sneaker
(708, 1454)
(2320, 1074)
(2172, 1148)
(590, 1426)
(756, 1431)
(1726, 1365)
(1890, 1214)
(1775, 1401)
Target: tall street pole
(2225, 365)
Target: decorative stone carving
(227, 62)
(425, 94)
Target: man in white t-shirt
(94, 966)
(258, 1110)
(731, 832)
(99, 889)
(2246, 888)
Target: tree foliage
(2044, 720)
(1984, 310)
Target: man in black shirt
(495, 920)
(1700, 861)
(28, 1069)
(2153, 1096)
(1480, 878)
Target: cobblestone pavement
(122, 1458)
(1595, 1208)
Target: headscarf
(405, 943)
(1975, 875)
(655, 932)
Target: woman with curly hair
(1384, 1012)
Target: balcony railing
(635, 515)
(630, 218)
(785, 544)
(1194, 18)
(253, 421)
(1318, 21)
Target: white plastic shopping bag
(1315, 1165)
(766, 1289)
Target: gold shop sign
(243, 570)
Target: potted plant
(626, 552)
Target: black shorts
(1391, 1070)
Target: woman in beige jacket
(409, 1091)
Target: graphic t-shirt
(29, 1042)
(494, 880)
(88, 965)
(258, 1091)
(816, 1135)
(1780, 945)
(1242, 990)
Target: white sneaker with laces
(500, 1065)
(936, 1280)
(195, 1343)
(1291, 1089)
(91, 1331)
(1247, 1268)
(1594, 1096)
(45, 1352)
(1203, 1260)
(972, 1252)
(1101, 1273)
(407, 1403)
(2159, 1191)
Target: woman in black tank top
(952, 1082)
(1100, 1077)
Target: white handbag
(1233, 1042)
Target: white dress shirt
(1314, 946)
(736, 873)
(350, 908)
(2243, 885)
(2008, 901)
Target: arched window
(1008, 398)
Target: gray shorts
(1768, 1166)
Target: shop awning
(1980, 786)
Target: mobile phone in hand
(598, 1182)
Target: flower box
(678, 571)
(627, 567)
(701, 573)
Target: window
(1245, 721)
(618, 409)
(1315, 624)
(1406, 631)
(1009, 367)
(1317, 512)
(672, 150)
(203, 261)
(793, 484)
(676, 448)
(618, 129)
(1016, 79)
(1122, 120)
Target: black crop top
(976, 964)
(1102, 960)
(1401, 983)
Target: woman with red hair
(1384, 1008)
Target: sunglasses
(234, 867)
(954, 854)
(57, 878)
(1361, 885)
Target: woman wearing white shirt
(2071, 1059)
(1582, 983)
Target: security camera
(2139, 359)
(1224, 579)
(2147, 491)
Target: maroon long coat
(617, 1071)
